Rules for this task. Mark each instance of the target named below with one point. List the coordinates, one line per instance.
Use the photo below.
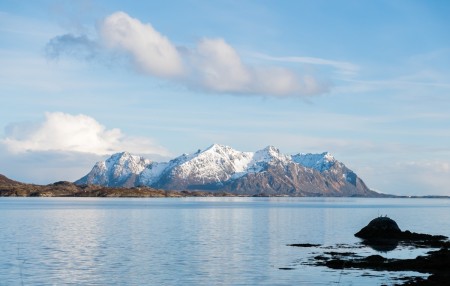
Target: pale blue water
(195, 241)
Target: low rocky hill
(10, 188)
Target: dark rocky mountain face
(295, 180)
(223, 169)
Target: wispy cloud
(211, 65)
(342, 67)
(417, 75)
(63, 132)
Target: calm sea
(196, 241)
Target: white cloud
(217, 66)
(152, 52)
(212, 65)
(74, 133)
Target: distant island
(216, 171)
(222, 169)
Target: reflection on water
(381, 246)
(192, 241)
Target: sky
(367, 81)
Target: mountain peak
(218, 148)
(125, 156)
(328, 156)
(121, 169)
(320, 162)
(272, 149)
(120, 156)
(215, 146)
(270, 154)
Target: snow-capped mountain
(221, 168)
(120, 170)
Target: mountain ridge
(220, 168)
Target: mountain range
(220, 168)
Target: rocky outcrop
(380, 228)
(384, 228)
(436, 263)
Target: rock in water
(380, 228)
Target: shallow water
(196, 241)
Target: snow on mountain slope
(153, 172)
(320, 162)
(261, 159)
(215, 164)
(220, 163)
(123, 164)
(120, 169)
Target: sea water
(198, 241)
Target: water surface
(195, 241)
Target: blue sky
(368, 81)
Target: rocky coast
(383, 235)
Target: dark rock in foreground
(385, 230)
(436, 263)
(384, 233)
(380, 228)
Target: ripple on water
(193, 241)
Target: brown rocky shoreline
(11, 188)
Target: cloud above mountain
(210, 65)
(62, 132)
(217, 67)
(151, 52)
